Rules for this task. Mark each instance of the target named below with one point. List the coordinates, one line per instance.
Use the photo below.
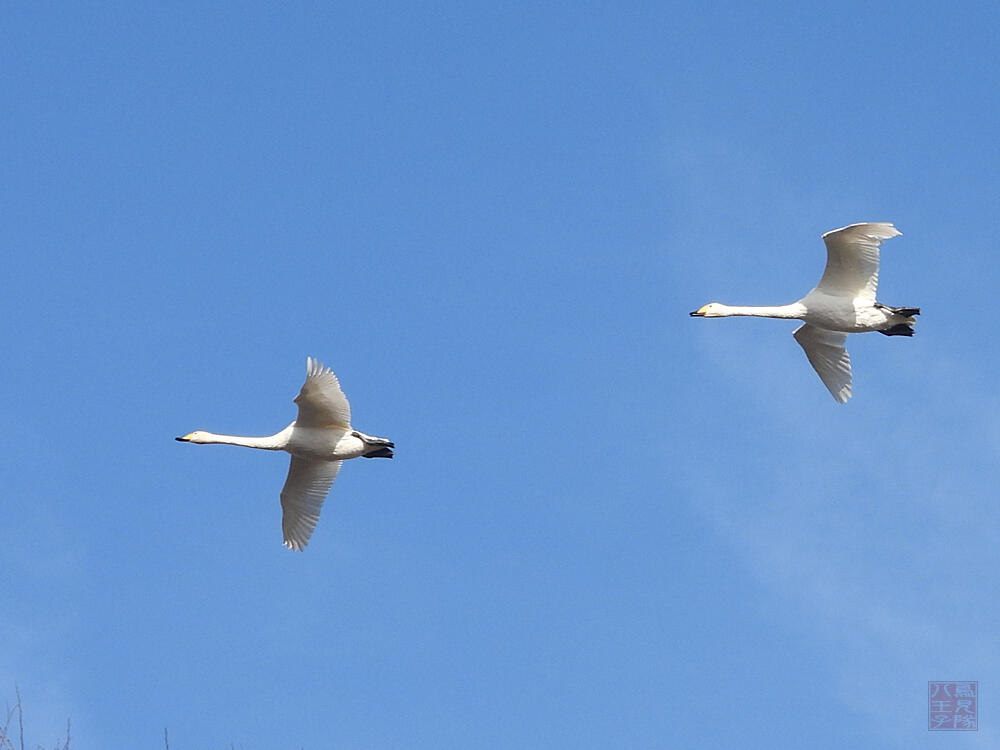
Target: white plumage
(843, 302)
(320, 440)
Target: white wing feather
(302, 497)
(321, 401)
(826, 353)
(852, 259)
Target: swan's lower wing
(826, 353)
(302, 497)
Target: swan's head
(711, 310)
(194, 437)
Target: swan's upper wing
(826, 353)
(302, 497)
(321, 402)
(852, 259)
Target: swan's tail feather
(903, 329)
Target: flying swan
(320, 439)
(843, 302)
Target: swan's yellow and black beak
(186, 438)
(699, 313)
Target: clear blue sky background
(607, 525)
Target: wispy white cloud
(886, 548)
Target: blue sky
(607, 524)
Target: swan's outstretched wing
(852, 259)
(826, 353)
(321, 402)
(302, 497)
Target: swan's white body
(843, 302)
(320, 439)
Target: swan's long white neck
(269, 442)
(794, 311)
(275, 442)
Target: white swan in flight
(320, 439)
(843, 302)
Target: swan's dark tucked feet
(903, 329)
(904, 311)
